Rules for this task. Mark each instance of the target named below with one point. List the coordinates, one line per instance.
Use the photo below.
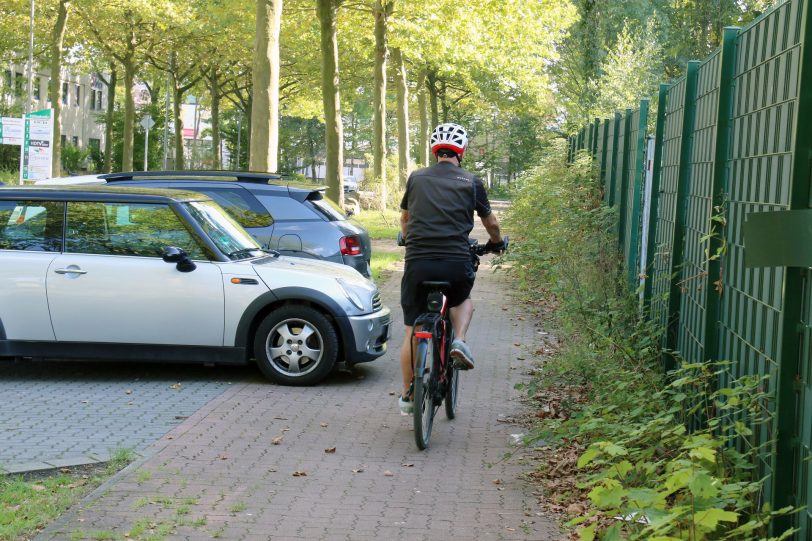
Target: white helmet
(449, 136)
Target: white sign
(11, 131)
(37, 150)
(147, 123)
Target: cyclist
(437, 215)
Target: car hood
(339, 282)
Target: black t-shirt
(441, 201)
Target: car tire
(296, 345)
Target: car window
(31, 225)
(223, 230)
(240, 205)
(327, 208)
(142, 230)
(285, 208)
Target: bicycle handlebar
(476, 247)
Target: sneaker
(406, 406)
(463, 359)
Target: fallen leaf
(391, 393)
(323, 425)
(281, 418)
(129, 391)
(277, 440)
(359, 470)
(285, 430)
(222, 456)
(497, 481)
(38, 488)
(181, 417)
(330, 450)
(175, 386)
(299, 473)
(408, 465)
(388, 473)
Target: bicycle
(436, 381)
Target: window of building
(63, 139)
(77, 96)
(8, 79)
(98, 100)
(94, 143)
(64, 93)
(75, 140)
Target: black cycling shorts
(413, 296)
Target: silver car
(100, 272)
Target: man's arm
(404, 222)
(491, 224)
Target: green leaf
(587, 533)
(608, 495)
(613, 533)
(709, 519)
(588, 456)
(703, 485)
(703, 453)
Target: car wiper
(247, 251)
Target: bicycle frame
(440, 327)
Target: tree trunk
(214, 90)
(404, 150)
(177, 101)
(431, 77)
(443, 95)
(55, 85)
(129, 114)
(381, 12)
(334, 133)
(108, 118)
(265, 108)
(423, 150)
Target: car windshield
(226, 233)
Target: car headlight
(350, 293)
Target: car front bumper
(369, 336)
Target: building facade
(84, 101)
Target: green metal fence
(731, 141)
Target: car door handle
(70, 271)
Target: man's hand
(495, 247)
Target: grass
(382, 262)
(9, 177)
(29, 503)
(380, 224)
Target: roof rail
(242, 176)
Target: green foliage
(644, 473)
(73, 159)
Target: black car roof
(101, 192)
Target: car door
(30, 239)
(112, 285)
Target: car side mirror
(173, 254)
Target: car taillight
(350, 245)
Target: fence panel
(761, 168)
(635, 146)
(667, 201)
(699, 199)
(608, 173)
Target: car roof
(67, 181)
(102, 192)
(248, 179)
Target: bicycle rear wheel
(425, 383)
(452, 381)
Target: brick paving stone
(223, 454)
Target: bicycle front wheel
(424, 384)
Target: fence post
(622, 182)
(597, 124)
(604, 130)
(655, 193)
(675, 295)
(638, 161)
(611, 174)
(790, 365)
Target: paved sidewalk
(58, 414)
(338, 461)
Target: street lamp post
(30, 60)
